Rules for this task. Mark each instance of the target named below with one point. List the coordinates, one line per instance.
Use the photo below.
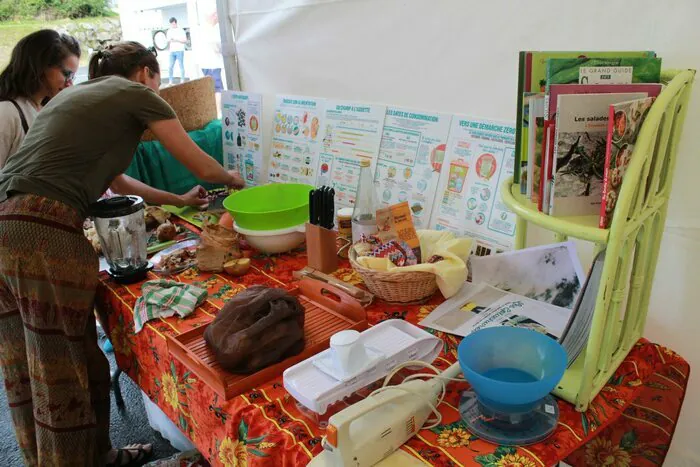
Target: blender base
(130, 277)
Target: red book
(624, 123)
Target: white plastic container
(274, 241)
(163, 425)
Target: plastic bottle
(364, 214)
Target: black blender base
(130, 277)
(508, 429)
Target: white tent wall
(460, 56)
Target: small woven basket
(396, 287)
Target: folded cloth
(163, 298)
(451, 270)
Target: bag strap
(25, 125)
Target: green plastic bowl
(270, 207)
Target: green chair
(632, 242)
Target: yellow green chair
(632, 242)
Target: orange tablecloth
(630, 423)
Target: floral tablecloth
(630, 423)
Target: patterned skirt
(56, 377)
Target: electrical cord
(399, 387)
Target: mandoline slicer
(389, 343)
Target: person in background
(177, 39)
(41, 65)
(209, 55)
(57, 378)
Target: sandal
(133, 455)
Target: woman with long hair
(57, 378)
(42, 64)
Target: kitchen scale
(509, 428)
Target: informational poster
(411, 155)
(480, 156)
(242, 134)
(351, 132)
(296, 136)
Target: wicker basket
(194, 103)
(396, 287)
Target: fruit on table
(226, 221)
(166, 232)
(237, 267)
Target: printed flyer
(352, 132)
(241, 133)
(296, 139)
(480, 156)
(411, 155)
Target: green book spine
(519, 116)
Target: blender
(121, 227)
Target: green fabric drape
(155, 166)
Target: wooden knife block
(321, 248)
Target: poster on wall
(241, 133)
(411, 155)
(351, 132)
(296, 139)
(480, 156)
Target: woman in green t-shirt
(80, 144)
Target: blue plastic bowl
(511, 369)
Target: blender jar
(121, 227)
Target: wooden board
(324, 316)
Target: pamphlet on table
(242, 134)
(296, 136)
(468, 202)
(351, 132)
(478, 305)
(411, 156)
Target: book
(575, 336)
(549, 174)
(604, 70)
(532, 74)
(525, 127)
(624, 122)
(555, 90)
(535, 128)
(579, 157)
(544, 166)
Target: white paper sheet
(478, 306)
(242, 134)
(352, 132)
(411, 155)
(480, 156)
(296, 135)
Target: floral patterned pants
(56, 377)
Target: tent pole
(228, 46)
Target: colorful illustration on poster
(242, 113)
(294, 141)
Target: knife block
(321, 249)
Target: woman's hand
(196, 197)
(236, 180)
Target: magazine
(478, 305)
(625, 121)
(550, 273)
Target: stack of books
(578, 118)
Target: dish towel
(163, 298)
(451, 270)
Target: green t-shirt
(84, 138)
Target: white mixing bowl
(274, 241)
